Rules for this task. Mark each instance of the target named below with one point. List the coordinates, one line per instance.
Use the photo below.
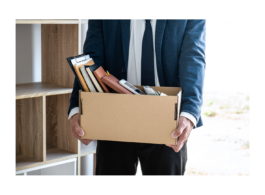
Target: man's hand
(182, 133)
(77, 130)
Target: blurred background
(221, 145)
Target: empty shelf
(23, 162)
(57, 153)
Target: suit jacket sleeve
(192, 67)
(94, 46)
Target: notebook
(87, 79)
(99, 74)
(113, 83)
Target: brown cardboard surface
(130, 118)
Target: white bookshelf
(43, 134)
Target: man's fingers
(79, 131)
(181, 133)
(181, 140)
(174, 148)
(180, 129)
(84, 141)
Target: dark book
(90, 70)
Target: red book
(99, 74)
(114, 84)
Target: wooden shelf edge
(34, 164)
(86, 153)
(71, 156)
(62, 158)
(25, 161)
(43, 94)
(31, 90)
(47, 21)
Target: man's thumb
(179, 130)
(80, 132)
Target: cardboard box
(130, 118)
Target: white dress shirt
(134, 60)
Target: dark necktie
(147, 64)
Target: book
(80, 77)
(76, 62)
(113, 83)
(93, 79)
(99, 74)
(87, 79)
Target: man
(154, 53)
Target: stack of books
(92, 77)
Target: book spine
(87, 79)
(81, 79)
(94, 80)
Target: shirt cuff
(74, 111)
(190, 117)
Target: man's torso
(168, 39)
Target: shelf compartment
(60, 41)
(60, 142)
(47, 21)
(29, 131)
(23, 162)
(57, 153)
(29, 90)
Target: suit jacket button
(123, 70)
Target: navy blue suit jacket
(180, 56)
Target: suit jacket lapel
(160, 28)
(125, 34)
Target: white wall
(28, 53)
(227, 67)
(84, 28)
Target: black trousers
(121, 158)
